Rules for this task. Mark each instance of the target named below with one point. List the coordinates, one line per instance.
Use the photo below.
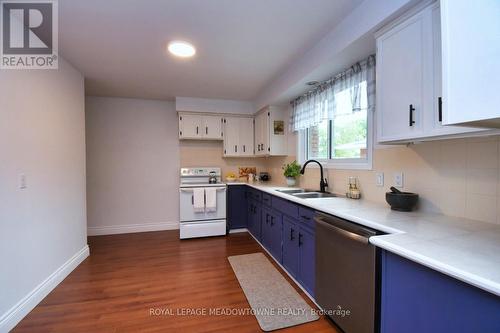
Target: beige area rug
(274, 302)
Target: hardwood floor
(126, 276)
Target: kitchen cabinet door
(257, 220)
(434, 125)
(190, 126)
(231, 136)
(261, 135)
(212, 127)
(266, 228)
(246, 139)
(471, 70)
(290, 246)
(236, 207)
(307, 257)
(418, 299)
(276, 224)
(404, 78)
(250, 216)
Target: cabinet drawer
(257, 195)
(285, 207)
(306, 216)
(266, 199)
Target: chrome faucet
(323, 184)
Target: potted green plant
(291, 171)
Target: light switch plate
(23, 184)
(398, 179)
(379, 179)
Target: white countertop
(465, 249)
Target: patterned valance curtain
(319, 104)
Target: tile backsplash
(459, 177)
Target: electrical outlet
(379, 179)
(398, 179)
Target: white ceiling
(120, 46)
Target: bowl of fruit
(230, 177)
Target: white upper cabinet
(200, 127)
(246, 140)
(231, 136)
(409, 86)
(238, 136)
(212, 127)
(471, 62)
(270, 132)
(402, 70)
(189, 126)
(262, 133)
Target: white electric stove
(195, 223)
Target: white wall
(42, 227)
(132, 165)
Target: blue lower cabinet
(271, 232)
(290, 246)
(237, 206)
(254, 218)
(286, 230)
(307, 258)
(266, 228)
(418, 299)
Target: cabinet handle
(235, 148)
(411, 115)
(440, 109)
(197, 129)
(272, 220)
(267, 218)
(244, 150)
(206, 129)
(292, 237)
(300, 239)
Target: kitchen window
(335, 127)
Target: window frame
(344, 163)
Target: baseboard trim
(131, 228)
(13, 316)
(235, 231)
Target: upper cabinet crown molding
(410, 104)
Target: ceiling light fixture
(181, 49)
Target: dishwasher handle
(362, 235)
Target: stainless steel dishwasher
(347, 274)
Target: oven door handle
(191, 190)
(359, 238)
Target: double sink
(308, 194)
